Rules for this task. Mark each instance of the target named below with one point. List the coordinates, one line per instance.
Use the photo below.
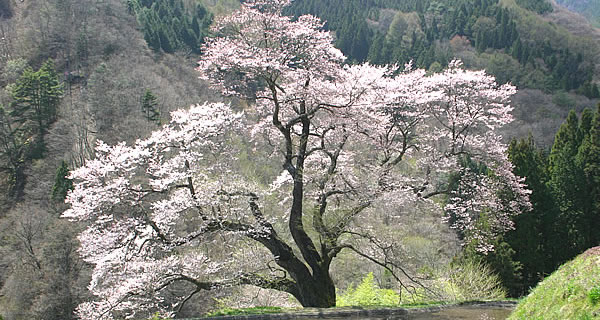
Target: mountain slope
(588, 8)
(105, 67)
(526, 42)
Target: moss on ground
(571, 292)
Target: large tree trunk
(312, 286)
(317, 290)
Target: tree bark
(317, 290)
(312, 289)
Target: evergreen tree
(360, 43)
(440, 21)
(534, 238)
(517, 50)
(595, 91)
(539, 6)
(481, 41)
(567, 185)
(585, 124)
(375, 55)
(503, 261)
(588, 158)
(62, 184)
(36, 96)
(13, 148)
(149, 107)
(50, 91)
(168, 26)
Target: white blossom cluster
(347, 136)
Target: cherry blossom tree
(350, 139)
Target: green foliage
(539, 6)
(62, 184)
(149, 107)
(588, 159)
(221, 7)
(562, 99)
(23, 124)
(567, 182)
(532, 239)
(36, 96)
(594, 295)
(413, 31)
(168, 26)
(589, 90)
(565, 293)
(470, 279)
(504, 263)
(390, 31)
(13, 148)
(367, 293)
(565, 196)
(157, 316)
(13, 69)
(225, 311)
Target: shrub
(470, 280)
(156, 316)
(594, 295)
(368, 294)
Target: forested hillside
(588, 8)
(399, 31)
(75, 72)
(515, 41)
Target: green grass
(571, 292)
(594, 295)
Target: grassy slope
(564, 294)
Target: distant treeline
(389, 31)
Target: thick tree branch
(285, 131)
(301, 238)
